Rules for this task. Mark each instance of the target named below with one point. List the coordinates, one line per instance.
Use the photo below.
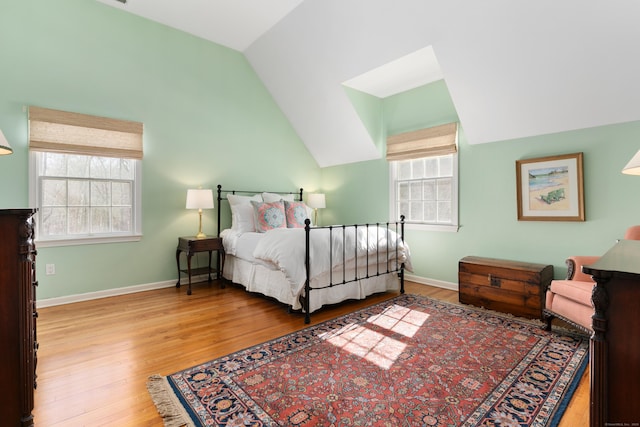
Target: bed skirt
(273, 283)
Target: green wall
(207, 118)
(487, 192)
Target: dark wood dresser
(511, 287)
(17, 317)
(615, 342)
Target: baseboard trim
(432, 282)
(69, 299)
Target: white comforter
(285, 248)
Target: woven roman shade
(434, 141)
(74, 133)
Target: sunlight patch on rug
(367, 344)
(373, 346)
(407, 361)
(400, 319)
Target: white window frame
(35, 200)
(425, 226)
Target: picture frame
(550, 188)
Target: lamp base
(200, 234)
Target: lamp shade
(316, 201)
(5, 148)
(199, 199)
(633, 167)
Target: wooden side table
(191, 245)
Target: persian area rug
(409, 361)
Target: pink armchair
(570, 299)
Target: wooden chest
(506, 286)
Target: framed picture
(550, 188)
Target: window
(425, 190)
(84, 180)
(424, 177)
(82, 196)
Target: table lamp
(5, 148)
(316, 201)
(200, 199)
(633, 167)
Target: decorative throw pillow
(296, 214)
(269, 216)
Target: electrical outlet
(50, 269)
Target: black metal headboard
(298, 193)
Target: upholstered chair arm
(632, 233)
(574, 267)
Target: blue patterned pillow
(296, 214)
(269, 216)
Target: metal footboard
(392, 266)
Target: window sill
(431, 227)
(87, 241)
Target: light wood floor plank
(95, 356)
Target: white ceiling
(513, 69)
(232, 23)
(407, 72)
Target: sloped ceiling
(513, 69)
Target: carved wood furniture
(192, 245)
(615, 342)
(17, 317)
(507, 286)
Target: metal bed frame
(391, 266)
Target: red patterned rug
(409, 361)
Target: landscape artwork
(550, 188)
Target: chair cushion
(579, 313)
(574, 290)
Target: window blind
(74, 133)
(433, 141)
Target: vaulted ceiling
(513, 69)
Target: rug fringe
(167, 404)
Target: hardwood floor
(95, 356)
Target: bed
(272, 248)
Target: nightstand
(191, 245)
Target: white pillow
(273, 197)
(242, 218)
